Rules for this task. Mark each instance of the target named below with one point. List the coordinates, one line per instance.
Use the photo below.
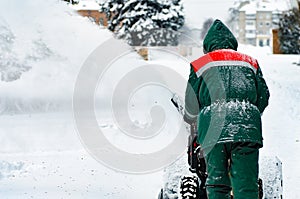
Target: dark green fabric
(226, 101)
(239, 173)
(219, 37)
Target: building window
(261, 43)
(250, 23)
(261, 24)
(267, 24)
(251, 41)
(250, 16)
(262, 32)
(268, 42)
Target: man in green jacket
(225, 96)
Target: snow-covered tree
(289, 32)
(112, 8)
(145, 22)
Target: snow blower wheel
(189, 188)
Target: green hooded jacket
(226, 92)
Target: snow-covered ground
(41, 154)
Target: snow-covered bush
(145, 22)
(289, 32)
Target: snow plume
(42, 48)
(11, 67)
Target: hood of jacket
(219, 37)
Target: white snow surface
(86, 5)
(41, 155)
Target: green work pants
(232, 166)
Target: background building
(256, 21)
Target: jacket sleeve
(192, 104)
(263, 93)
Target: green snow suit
(226, 95)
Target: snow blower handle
(196, 159)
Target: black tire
(189, 187)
